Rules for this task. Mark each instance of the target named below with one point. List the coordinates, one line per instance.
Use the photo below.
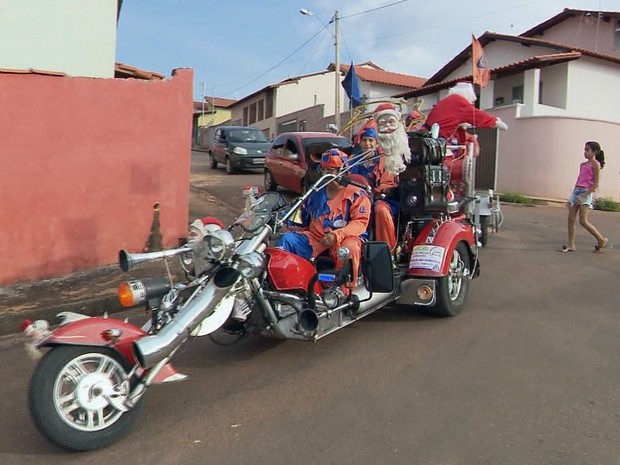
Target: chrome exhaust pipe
(152, 349)
(308, 322)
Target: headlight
(220, 244)
(240, 151)
(250, 265)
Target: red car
(293, 153)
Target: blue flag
(352, 87)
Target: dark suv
(238, 148)
(294, 156)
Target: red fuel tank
(289, 272)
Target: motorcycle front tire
(79, 427)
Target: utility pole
(337, 89)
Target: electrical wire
(276, 65)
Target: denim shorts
(577, 191)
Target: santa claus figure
(392, 138)
(458, 108)
(201, 227)
(455, 114)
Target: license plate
(258, 161)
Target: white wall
(593, 89)
(77, 37)
(307, 92)
(584, 32)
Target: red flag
(481, 72)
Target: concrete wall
(83, 162)
(76, 37)
(585, 31)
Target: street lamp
(336, 21)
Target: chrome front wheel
(77, 397)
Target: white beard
(395, 145)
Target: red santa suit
(454, 110)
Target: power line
(373, 9)
(276, 65)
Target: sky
(237, 47)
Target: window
(517, 94)
(290, 149)
(617, 35)
(245, 116)
(253, 113)
(278, 144)
(261, 110)
(269, 105)
(302, 125)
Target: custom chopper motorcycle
(87, 390)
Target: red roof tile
(121, 70)
(385, 77)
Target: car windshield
(247, 135)
(320, 144)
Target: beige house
(74, 37)
(308, 102)
(555, 86)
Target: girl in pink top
(585, 186)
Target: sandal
(566, 249)
(602, 245)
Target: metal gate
(486, 163)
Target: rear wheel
(76, 396)
(213, 161)
(270, 183)
(452, 289)
(484, 230)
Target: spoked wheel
(452, 289)
(76, 397)
(270, 183)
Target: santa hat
(387, 109)
(333, 158)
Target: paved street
(527, 374)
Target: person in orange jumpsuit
(383, 184)
(335, 216)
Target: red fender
(428, 256)
(90, 332)
(290, 272)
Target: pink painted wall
(540, 156)
(82, 162)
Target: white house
(74, 37)
(554, 97)
(307, 102)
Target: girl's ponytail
(598, 152)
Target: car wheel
(270, 183)
(229, 167)
(452, 289)
(213, 161)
